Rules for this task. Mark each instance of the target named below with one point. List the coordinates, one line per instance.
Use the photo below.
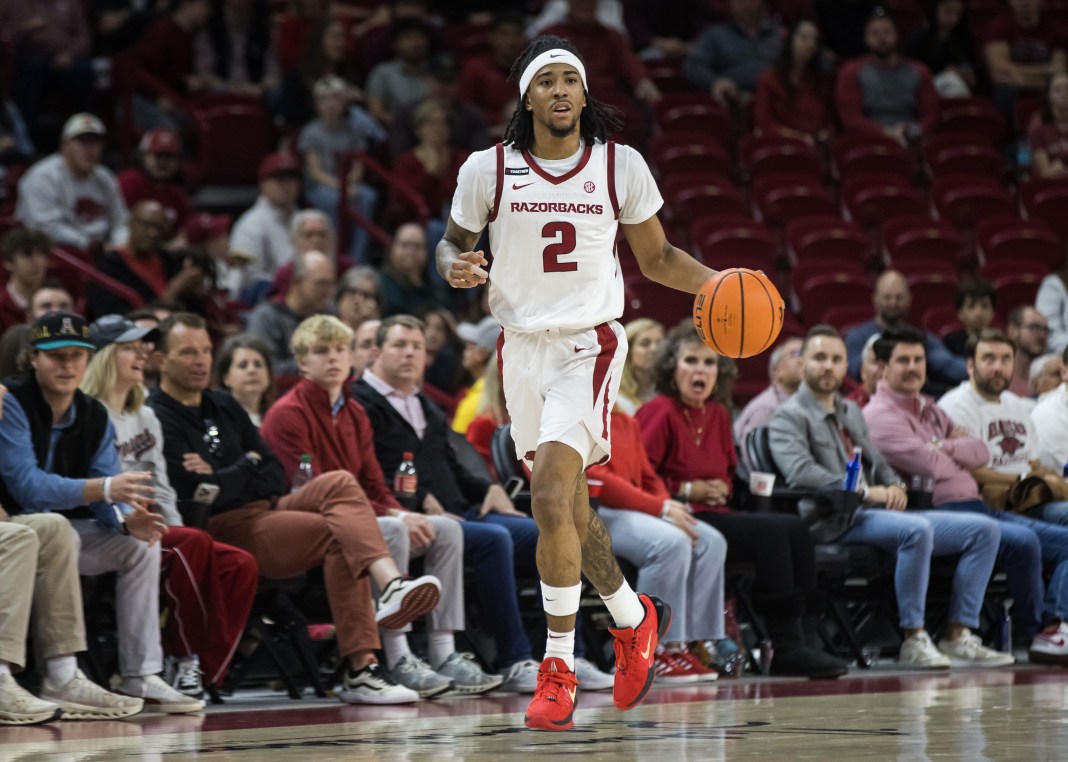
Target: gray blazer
(809, 452)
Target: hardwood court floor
(1018, 714)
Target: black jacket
(241, 479)
(439, 472)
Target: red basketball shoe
(636, 653)
(553, 704)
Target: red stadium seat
(231, 140)
(1015, 290)
(915, 242)
(645, 298)
(956, 155)
(778, 154)
(847, 316)
(964, 200)
(781, 198)
(930, 290)
(1047, 199)
(723, 242)
(868, 154)
(692, 197)
(999, 268)
(971, 116)
(1007, 238)
(694, 112)
(672, 152)
(941, 320)
(816, 294)
(873, 199)
(825, 238)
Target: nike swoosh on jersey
(517, 187)
(581, 349)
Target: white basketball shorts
(561, 386)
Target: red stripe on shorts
(606, 337)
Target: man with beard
(986, 407)
(1029, 331)
(884, 93)
(892, 302)
(918, 438)
(812, 436)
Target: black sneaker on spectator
(184, 676)
(405, 600)
(371, 685)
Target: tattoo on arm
(455, 242)
(598, 562)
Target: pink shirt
(408, 405)
(904, 428)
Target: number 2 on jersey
(563, 235)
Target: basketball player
(553, 195)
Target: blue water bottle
(852, 474)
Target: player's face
(328, 365)
(643, 350)
(906, 371)
(825, 363)
(696, 372)
(991, 370)
(556, 99)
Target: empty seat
(1006, 238)
(930, 290)
(778, 154)
(847, 316)
(731, 241)
(231, 140)
(971, 116)
(816, 294)
(827, 238)
(964, 200)
(684, 151)
(1015, 290)
(645, 298)
(957, 154)
(914, 242)
(1047, 199)
(694, 112)
(873, 199)
(941, 320)
(869, 154)
(781, 198)
(692, 197)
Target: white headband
(554, 56)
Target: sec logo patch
(589, 187)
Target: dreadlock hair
(598, 119)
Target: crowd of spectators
(163, 403)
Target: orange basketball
(738, 312)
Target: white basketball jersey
(553, 237)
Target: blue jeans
(1055, 512)
(1027, 544)
(914, 538)
(326, 200)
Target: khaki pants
(328, 522)
(39, 566)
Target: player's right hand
(466, 271)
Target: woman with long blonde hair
(209, 586)
(637, 384)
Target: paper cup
(761, 483)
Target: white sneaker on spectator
(415, 674)
(82, 699)
(522, 677)
(20, 707)
(919, 652)
(590, 678)
(371, 685)
(184, 676)
(467, 678)
(405, 600)
(158, 696)
(968, 650)
(1050, 647)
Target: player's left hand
(497, 501)
(466, 271)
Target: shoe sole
(663, 625)
(1038, 657)
(418, 601)
(30, 719)
(677, 679)
(475, 690)
(159, 707)
(349, 697)
(541, 723)
(429, 693)
(72, 711)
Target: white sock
(561, 645)
(441, 644)
(5, 668)
(395, 644)
(61, 669)
(625, 607)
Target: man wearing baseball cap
(480, 346)
(157, 178)
(60, 457)
(262, 233)
(70, 196)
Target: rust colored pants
(328, 522)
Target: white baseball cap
(83, 124)
(483, 334)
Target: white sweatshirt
(139, 438)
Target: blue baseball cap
(57, 330)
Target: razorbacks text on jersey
(553, 235)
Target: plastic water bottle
(852, 474)
(304, 473)
(1064, 471)
(406, 481)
